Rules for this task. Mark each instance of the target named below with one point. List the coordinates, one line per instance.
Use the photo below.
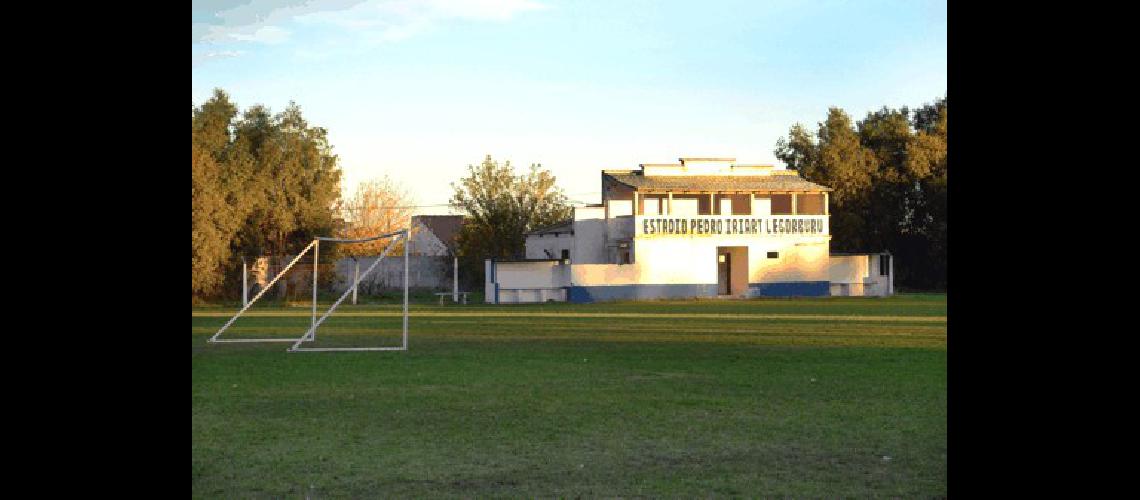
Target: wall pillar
(669, 205)
(890, 274)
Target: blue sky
(420, 89)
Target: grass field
(780, 397)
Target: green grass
(781, 397)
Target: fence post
(244, 283)
(355, 277)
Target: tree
(214, 186)
(888, 173)
(295, 188)
(501, 208)
(886, 134)
(298, 181)
(926, 162)
(377, 207)
(839, 161)
(262, 185)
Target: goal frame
(310, 334)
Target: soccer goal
(310, 335)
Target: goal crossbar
(311, 335)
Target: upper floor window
(782, 204)
(809, 204)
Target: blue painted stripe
(582, 294)
(790, 289)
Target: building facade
(703, 227)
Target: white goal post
(311, 334)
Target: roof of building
(776, 181)
(566, 226)
(445, 227)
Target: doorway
(732, 271)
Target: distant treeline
(889, 175)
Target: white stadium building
(703, 227)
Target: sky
(419, 89)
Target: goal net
(303, 303)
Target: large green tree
(265, 184)
(216, 193)
(889, 176)
(501, 207)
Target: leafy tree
(501, 208)
(263, 185)
(297, 181)
(214, 187)
(888, 173)
(378, 206)
(886, 134)
(926, 162)
(842, 163)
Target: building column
(795, 209)
(826, 208)
(669, 204)
(752, 203)
(636, 211)
(712, 203)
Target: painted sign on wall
(776, 225)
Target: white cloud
(387, 20)
(264, 34)
(367, 22)
(200, 58)
(256, 20)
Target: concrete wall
(514, 282)
(691, 257)
(687, 268)
(489, 281)
(424, 271)
(858, 275)
(589, 241)
(620, 207)
(538, 244)
(739, 271)
(761, 207)
(590, 235)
